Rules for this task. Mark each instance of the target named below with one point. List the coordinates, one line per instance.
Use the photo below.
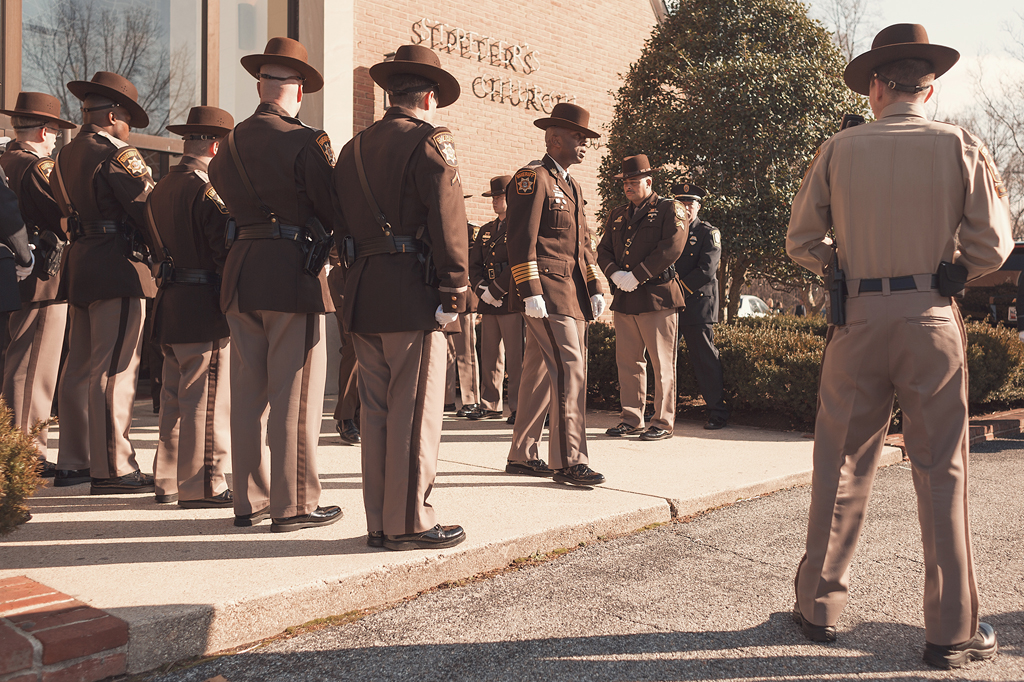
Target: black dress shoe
(68, 477)
(135, 482)
(437, 537)
(815, 633)
(511, 418)
(47, 469)
(375, 538)
(223, 499)
(533, 467)
(449, 407)
(166, 499)
(579, 474)
(623, 429)
(715, 423)
(481, 413)
(467, 409)
(321, 516)
(246, 520)
(654, 433)
(978, 648)
(348, 429)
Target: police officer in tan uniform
(274, 174)
(402, 232)
(557, 288)
(638, 250)
(37, 330)
(101, 184)
(501, 330)
(346, 410)
(188, 221)
(917, 207)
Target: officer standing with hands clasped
(641, 242)
(918, 209)
(557, 288)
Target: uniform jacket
(106, 179)
(289, 165)
(698, 273)
(413, 173)
(13, 246)
(655, 235)
(190, 219)
(29, 177)
(472, 296)
(903, 194)
(488, 256)
(549, 246)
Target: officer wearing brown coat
(37, 330)
(501, 330)
(101, 184)
(274, 175)
(188, 220)
(403, 235)
(557, 288)
(917, 208)
(638, 250)
(462, 357)
(347, 409)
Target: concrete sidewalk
(188, 582)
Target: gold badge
(325, 146)
(45, 167)
(445, 143)
(487, 236)
(525, 181)
(212, 195)
(1001, 190)
(132, 161)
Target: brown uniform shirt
(289, 165)
(106, 180)
(645, 244)
(29, 177)
(891, 220)
(413, 173)
(488, 266)
(190, 218)
(549, 246)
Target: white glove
(535, 306)
(625, 280)
(597, 302)
(490, 300)
(444, 318)
(25, 271)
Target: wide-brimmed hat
(115, 88)
(688, 190)
(285, 52)
(498, 185)
(633, 166)
(567, 115)
(899, 41)
(38, 105)
(205, 121)
(418, 61)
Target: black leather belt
(494, 269)
(94, 227)
(271, 231)
(905, 283)
(193, 276)
(380, 245)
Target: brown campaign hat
(38, 105)
(566, 115)
(632, 166)
(285, 52)
(205, 121)
(498, 185)
(419, 61)
(899, 41)
(116, 88)
(688, 190)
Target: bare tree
(851, 22)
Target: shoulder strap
(382, 220)
(60, 185)
(245, 178)
(161, 251)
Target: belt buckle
(490, 274)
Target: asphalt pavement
(702, 598)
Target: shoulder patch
(45, 167)
(324, 142)
(445, 143)
(1001, 190)
(212, 195)
(716, 236)
(525, 181)
(131, 160)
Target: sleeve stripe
(525, 271)
(592, 273)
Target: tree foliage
(735, 95)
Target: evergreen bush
(19, 470)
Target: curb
(994, 426)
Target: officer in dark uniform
(16, 257)
(698, 271)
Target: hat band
(202, 137)
(101, 107)
(893, 85)
(281, 78)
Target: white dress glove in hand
(444, 318)
(625, 280)
(597, 302)
(490, 300)
(25, 271)
(535, 306)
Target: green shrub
(602, 373)
(995, 364)
(813, 324)
(19, 470)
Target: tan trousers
(97, 387)
(278, 375)
(501, 350)
(911, 343)
(32, 362)
(654, 332)
(348, 384)
(462, 355)
(555, 378)
(401, 388)
(195, 420)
